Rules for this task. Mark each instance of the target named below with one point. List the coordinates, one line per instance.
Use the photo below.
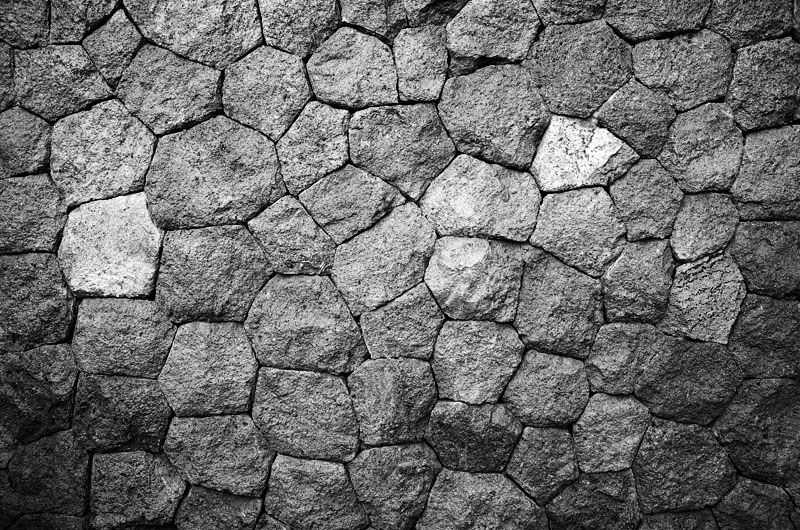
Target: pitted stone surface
(619, 351)
(32, 214)
(437, 12)
(754, 504)
(70, 21)
(704, 225)
(111, 47)
(744, 23)
(420, 56)
(598, 500)
(7, 76)
(767, 255)
(298, 26)
(569, 11)
(205, 508)
(543, 462)
(25, 23)
(24, 142)
(384, 17)
(694, 519)
(645, 19)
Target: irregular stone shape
(49, 520)
(110, 248)
(602, 500)
(420, 56)
(111, 47)
(70, 21)
(475, 279)
(305, 414)
(24, 142)
(576, 153)
(644, 19)
(404, 145)
(121, 337)
(495, 113)
(100, 153)
(298, 26)
(704, 149)
(618, 354)
(36, 307)
(473, 198)
(768, 185)
(705, 299)
(25, 23)
(578, 67)
(348, 201)
(744, 23)
(353, 70)
(265, 522)
(292, 241)
(314, 145)
(680, 466)
(32, 214)
(767, 255)
(460, 501)
(543, 462)
(54, 81)
(225, 453)
(568, 11)
(378, 265)
(705, 224)
(266, 90)
(313, 494)
(752, 504)
(384, 17)
(434, 12)
(392, 399)
(765, 87)
(302, 323)
(168, 92)
(134, 488)
(691, 520)
(392, 483)
(7, 94)
(547, 390)
(205, 508)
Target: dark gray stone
(434, 12)
(744, 23)
(568, 11)
(298, 26)
(704, 225)
(71, 20)
(767, 254)
(420, 55)
(26, 22)
(206, 509)
(24, 142)
(7, 94)
(543, 462)
(601, 500)
(384, 17)
(32, 214)
(644, 19)
(752, 504)
(691, 520)
(49, 520)
(618, 353)
(111, 47)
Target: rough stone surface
(420, 56)
(205, 508)
(600, 500)
(692, 520)
(111, 47)
(7, 76)
(32, 214)
(645, 19)
(25, 23)
(298, 26)
(568, 11)
(619, 351)
(744, 23)
(767, 255)
(752, 504)
(384, 17)
(70, 21)
(24, 142)
(705, 224)
(437, 12)
(49, 520)
(543, 462)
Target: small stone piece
(25, 22)
(543, 462)
(32, 214)
(568, 11)
(691, 520)
(384, 17)
(753, 504)
(601, 500)
(24, 142)
(767, 255)
(112, 46)
(744, 23)
(70, 21)
(298, 26)
(618, 354)
(7, 94)
(705, 224)
(420, 56)
(266, 522)
(434, 12)
(644, 19)
(205, 508)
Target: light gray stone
(420, 55)
(644, 19)
(298, 26)
(24, 142)
(744, 23)
(26, 22)
(568, 11)
(204, 508)
(32, 214)
(705, 224)
(7, 94)
(543, 462)
(596, 500)
(767, 254)
(111, 47)
(618, 353)
(384, 17)
(70, 21)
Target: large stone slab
(420, 55)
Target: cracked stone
(645, 19)
(433, 12)
(205, 508)
(25, 22)
(601, 500)
(24, 142)
(692, 520)
(619, 351)
(384, 17)
(7, 94)
(568, 11)
(543, 462)
(298, 26)
(71, 20)
(32, 214)
(744, 23)
(420, 56)
(112, 46)
(705, 224)
(753, 504)
(265, 522)
(767, 255)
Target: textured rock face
(744, 23)
(26, 23)
(7, 76)
(111, 47)
(421, 60)
(645, 19)
(705, 223)
(32, 214)
(384, 17)
(695, 519)
(753, 504)
(205, 508)
(618, 354)
(601, 500)
(568, 11)
(767, 254)
(24, 142)
(297, 26)
(543, 462)
(71, 21)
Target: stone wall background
(399, 264)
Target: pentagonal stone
(56, 80)
(121, 337)
(70, 21)
(24, 142)
(218, 172)
(434, 12)
(348, 201)
(210, 273)
(313, 494)
(618, 354)
(598, 500)
(298, 26)
(744, 23)
(765, 85)
(404, 145)
(168, 92)
(26, 23)
(32, 214)
(205, 508)
(314, 145)
(204, 31)
(705, 224)
(133, 488)
(7, 94)
(645, 19)
(693, 519)
(579, 66)
(36, 307)
(474, 360)
(385, 261)
(543, 462)
(100, 153)
(302, 322)
(353, 70)
(460, 501)
(392, 483)
(476, 279)
(305, 414)
(767, 255)
(110, 248)
(392, 399)
(680, 466)
(569, 11)
(384, 17)
(420, 56)
(495, 113)
(266, 90)
(547, 390)
(473, 198)
(478, 438)
(753, 504)
(111, 47)
(225, 453)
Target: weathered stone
(298, 26)
(168, 92)
(384, 17)
(112, 46)
(568, 11)
(644, 19)
(547, 390)
(49, 520)
(744, 23)
(378, 265)
(618, 354)
(313, 494)
(136, 488)
(25, 22)
(404, 145)
(767, 255)
(205, 508)
(302, 323)
(691, 520)
(476, 279)
(392, 399)
(225, 453)
(434, 12)
(578, 67)
(7, 94)
(70, 21)
(543, 462)
(680, 467)
(32, 214)
(752, 504)
(705, 224)
(305, 414)
(420, 56)
(24, 142)
(266, 522)
(495, 113)
(602, 500)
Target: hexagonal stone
(384, 17)
(420, 56)
(70, 21)
(111, 47)
(644, 19)
(434, 12)
(404, 145)
(110, 248)
(569, 11)
(578, 67)
(753, 504)
(302, 323)
(744, 23)
(298, 26)
(225, 453)
(24, 142)
(543, 462)
(693, 519)
(305, 414)
(495, 113)
(598, 500)
(32, 214)
(392, 399)
(705, 224)
(26, 23)
(205, 508)
(767, 255)
(680, 466)
(168, 92)
(378, 265)
(313, 494)
(210, 273)
(547, 390)
(121, 337)
(618, 354)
